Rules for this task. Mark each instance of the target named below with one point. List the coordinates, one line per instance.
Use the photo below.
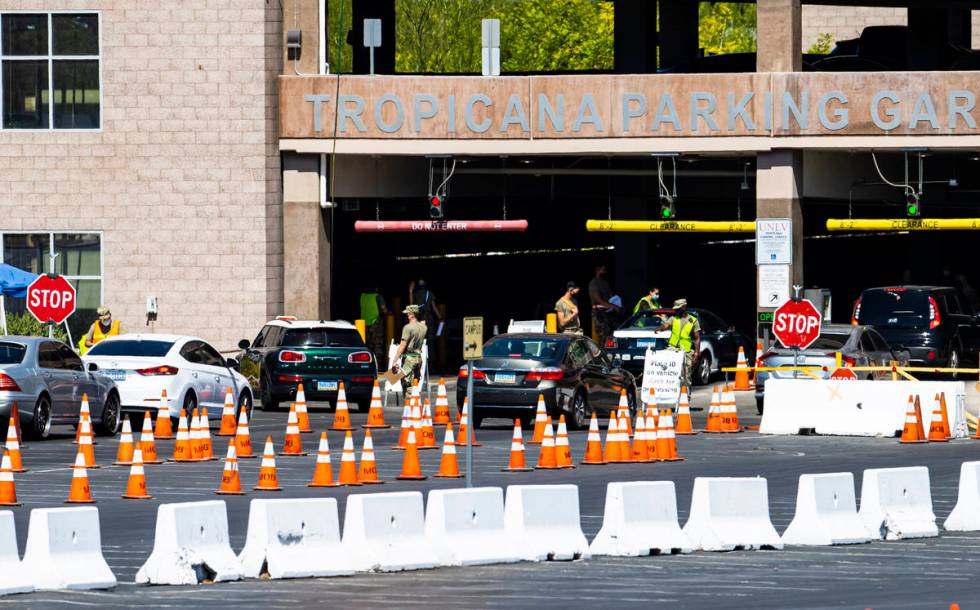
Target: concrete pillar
(384, 56)
(632, 265)
(635, 36)
(779, 187)
(779, 26)
(302, 15)
(931, 31)
(678, 34)
(306, 251)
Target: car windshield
(645, 319)
(895, 307)
(151, 348)
(11, 353)
(322, 337)
(532, 348)
(829, 341)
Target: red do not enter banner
(796, 323)
(51, 299)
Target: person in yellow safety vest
(650, 301)
(104, 327)
(685, 335)
(373, 308)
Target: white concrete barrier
(896, 503)
(14, 578)
(466, 527)
(826, 512)
(293, 538)
(855, 408)
(191, 546)
(731, 514)
(385, 532)
(543, 520)
(966, 514)
(640, 519)
(64, 549)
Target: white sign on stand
(773, 285)
(395, 387)
(662, 372)
(774, 241)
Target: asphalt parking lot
(927, 573)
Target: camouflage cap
(412, 309)
(680, 303)
(103, 311)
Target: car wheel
(40, 425)
(245, 400)
(953, 361)
(579, 411)
(361, 406)
(526, 422)
(268, 402)
(758, 405)
(703, 373)
(190, 402)
(110, 416)
(477, 419)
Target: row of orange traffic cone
(939, 429)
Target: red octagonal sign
(796, 323)
(51, 298)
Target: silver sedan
(46, 380)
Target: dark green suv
(318, 354)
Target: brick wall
(846, 22)
(184, 176)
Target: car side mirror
(92, 367)
(243, 344)
(231, 362)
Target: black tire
(361, 406)
(269, 403)
(702, 376)
(110, 416)
(758, 405)
(190, 402)
(527, 421)
(579, 411)
(40, 424)
(477, 419)
(245, 400)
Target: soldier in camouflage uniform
(410, 347)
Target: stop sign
(51, 298)
(843, 374)
(796, 323)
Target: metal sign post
(472, 350)
(372, 37)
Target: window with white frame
(77, 256)
(50, 70)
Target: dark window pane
(12, 353)
(76, 94)
(25, 94)
(129, 347)
(78, 254)
(25, 34)
(75, 34)
(27, 251)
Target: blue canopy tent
(13, 283)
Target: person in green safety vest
(373, 310)
(685, 335)
(650, 301)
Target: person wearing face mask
(685, 335)
(650, 301)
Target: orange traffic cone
(547, 457)
(611, 454)
(405, 425)
(684, 424)
(268, 475)
(921, 420)
(293, 444)
(465, 435)
(79, 492)
(411, 469)
(936, 432)
(124, 454)
(164, 428)
(714, 415)
(83, 413)
(16, 416)
(733, 425)
(623, 411)
(302, 415)
(667, 427)
(243, 440)
(449, 465)
(593, 445)
(136, 485)
(652, 426)
(13, 448)
(742, 371)
(910, 433)
(428, 432)
(441, 415)
(368, 472)
(231, 482)
(182, 446)
(563, 452)
(85, 443)
(197, 444)
(323, 472)
(348, 463)
(625, 450)
(517, 463)
(376, 413)
(640, 438)
(540, 419)
(228, 422)
(207, 452)
(8, 491)
(341, 415)
(147, 443)
(947, 431)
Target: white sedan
(191, 371)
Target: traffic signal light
(912, 205)
(667, 211)
(435, 206)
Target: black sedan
(571, 372)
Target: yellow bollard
(361, 329)
(551, 323)
(838, 359)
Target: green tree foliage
(27, 325)
(339, 53)
(823, 45)
(727, 27)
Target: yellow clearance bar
(670, 226)
(903, 224)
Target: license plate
(626, 357)
(326, 386)
(114, 374)
(505, 378)
(646, 343)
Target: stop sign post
(51, 299)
